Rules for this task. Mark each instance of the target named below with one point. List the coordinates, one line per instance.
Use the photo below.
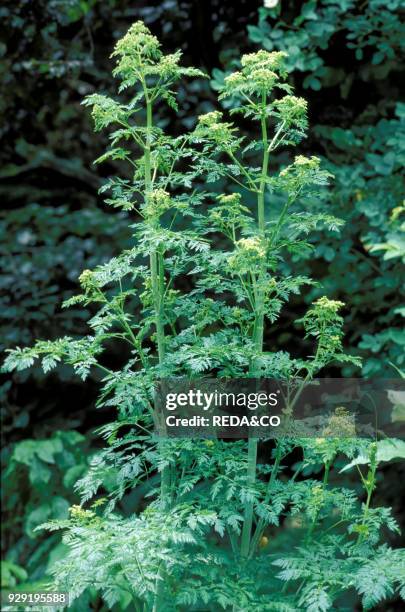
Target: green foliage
(338, 48)
(11, 574)
(37, 486)
(369, 195)
(375, 580)
(208, 508)
(387, 450)
(375, 33)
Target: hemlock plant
(365, 157)
(213, 524)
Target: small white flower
(270, 3)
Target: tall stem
(156, 273)
(157, 282)
(260, 525)
(324, 485)
(265, 166)
(369, 484)
(258, 334)
(250, 480)
(259, 318)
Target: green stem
(260, 526)
(279, 222)
(244, 171)
(158, 304)
(157, 278)
(369, 484)
(324, 485)
(365, 514)
(259, 323)
(265, 166)
(121, 317)
(326, 474)
(276, 135)
(157, 272)
(250, 481)
(258, 335)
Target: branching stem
(258, 334)
(157, 282)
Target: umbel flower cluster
(193, 524)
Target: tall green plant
(202, 508)
(253, 265)
(366, 156)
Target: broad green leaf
(390, 449)
(39, 472)
(387, 450)
(11, 573)
(36, 517)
